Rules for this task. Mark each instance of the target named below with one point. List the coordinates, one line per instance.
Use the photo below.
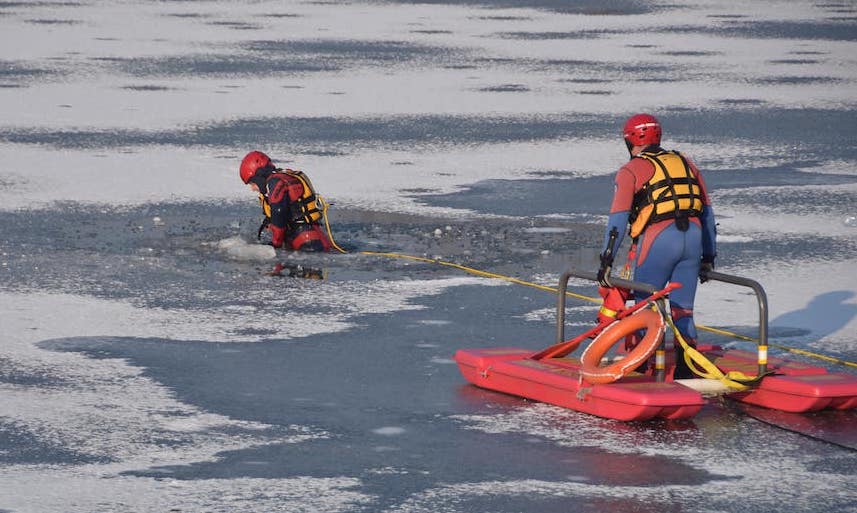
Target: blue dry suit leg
(682, 300)
(674, 256)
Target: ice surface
(739, 476)
(115, 106)
(237, 248)
(389, 431)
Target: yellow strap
(464, 268)
(803, 352)
(702, 366)
(608, 312)
(321, 200)
(477, 272)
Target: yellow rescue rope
(324, 207)
(702, 366)
(596, 300)
(477, 272)
(794, 350)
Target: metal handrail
(563, 287)
(762, 299)
(618, 282)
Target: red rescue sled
(792, 387)
(558, 381)
(552, 376)
(787, 385)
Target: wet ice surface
(151, 362)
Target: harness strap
(308, 210)
(670, 182)
(668, 185)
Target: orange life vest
(307, 211)
(672, 192)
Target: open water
(151, 361)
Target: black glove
(604, 269)
(706, 265)
(265, 223)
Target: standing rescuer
(661, 199)
(289, 203)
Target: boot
(682, 371)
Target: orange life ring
(645, 318)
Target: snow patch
(389, 431)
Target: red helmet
(642, 130)
(252, 162)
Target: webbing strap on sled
(704, 368)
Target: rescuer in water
(662, 196)
(289, 203)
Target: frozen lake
(150, 363)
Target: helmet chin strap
(261, 177)
(630, 146)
